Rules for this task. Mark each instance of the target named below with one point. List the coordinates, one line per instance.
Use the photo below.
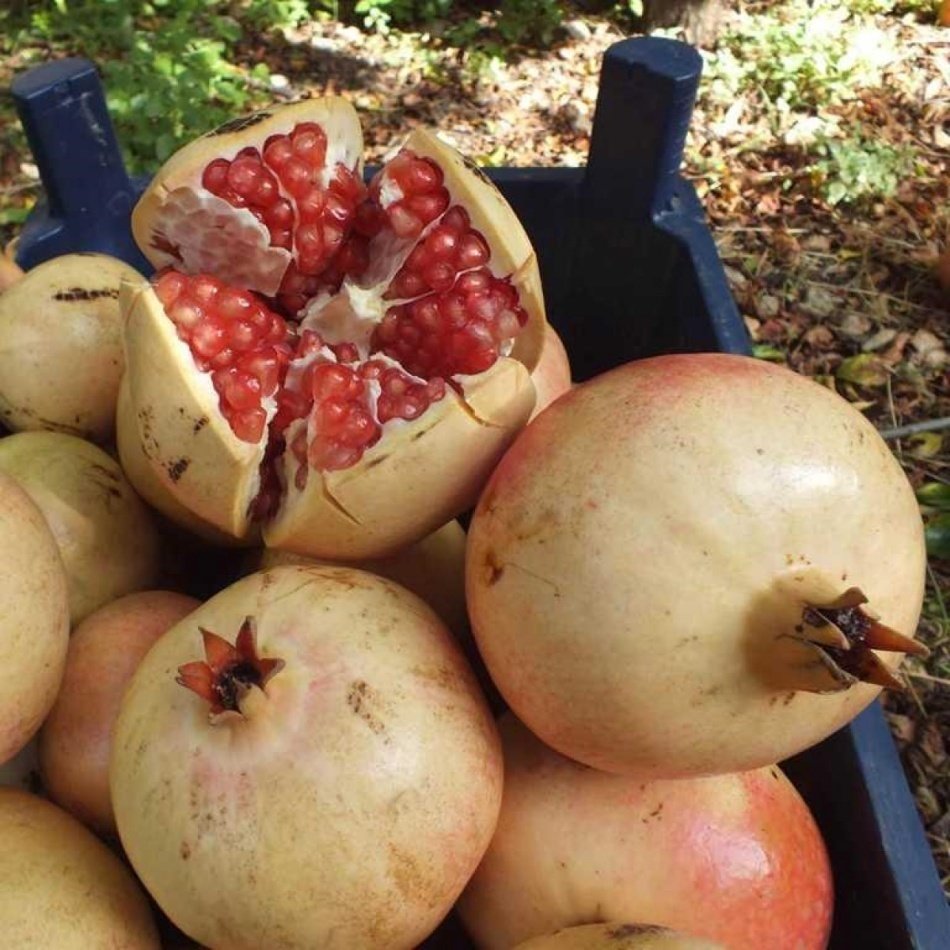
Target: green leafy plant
(934, 498)
(861, 168)
(167, 65)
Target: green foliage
(859, 169)
(799, 56)
(921, 8)
(934, 498)
(167, 65)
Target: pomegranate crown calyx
(849, 637)
(228, 672)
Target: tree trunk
(701, 19)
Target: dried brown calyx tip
(226, 674)
(845, 636)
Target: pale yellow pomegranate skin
(552, 374)
(639, 562)
(348, 803)
(433, 569)
(106, 535)
(61, 346)
(62, 888)
(617, 936)
(34, 618)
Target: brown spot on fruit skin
(359, 697)
(185, 851)
(239, 124)
(377, 461)
(493, 570)
(200, 424)
(85, 293)
(178, 468)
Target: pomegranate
(618, 936)
(106, 536)
(76, 740)
(667, 573)
(733, 858)
(10, 273)
(338, 365)
(324, 768)
(61, 346)
(433, 569)
(552, 375)
(61, 887)
(34, 623)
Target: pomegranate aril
(310, 263)
(403, 222)
(277, 330)
(280, 215)
(310, 342)
(406, 284)
(311, 204)
(265, 191)
(243, 175)
(368, 219)
(241, 335)
(204, 288)
(265, 366)
(215, 176)
(310, 239)
(309, 142)
(442, 242)
(221, 359)
(233, 304)
(427, 315)
(439, 276)
(332, 238)
(456, 219)
(453, 310)
(278, 151)
(423, 175)
(428, 207)
(208, 338)
(186, 316)
(242, 391)
(248, 425)
(346, 352)
(295, 176)
(282, 239)
(169, 286)
(472, 251)
(474, 281)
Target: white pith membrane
(349, 317)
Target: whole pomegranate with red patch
(735, 859)
(61, 887)
(337, 365)
(324, 771)
(667, 573)
(75, 741)
(34, 623)
(618, 936)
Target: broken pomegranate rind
(441, 459)
(188, 443)
(149, 485)
(181, 223)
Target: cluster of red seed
(283, 190)
(455, 319)
(233, 336)
(460, 331)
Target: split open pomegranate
(334, 364)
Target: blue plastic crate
(630, 270)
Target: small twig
(941, 680)
(870, 293)
(913, 692)
(912, 428)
